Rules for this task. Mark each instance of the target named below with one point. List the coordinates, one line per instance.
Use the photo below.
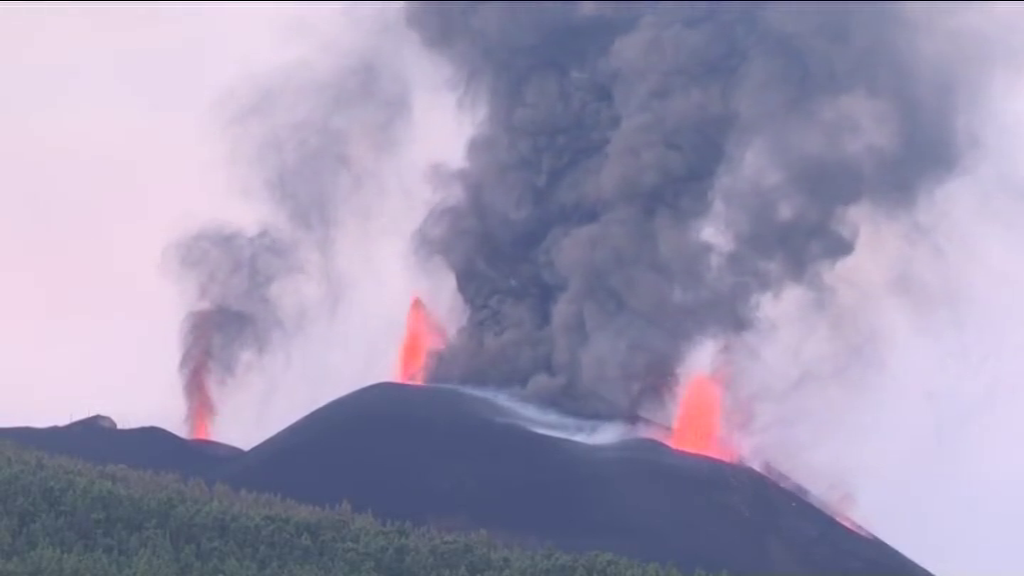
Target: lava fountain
(423, 336)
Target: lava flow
(423, 336)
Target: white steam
(550, 422)
(898, 384)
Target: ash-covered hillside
(443, 457)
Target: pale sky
(109, 148)
(113, 144)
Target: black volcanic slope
(441, 456)
(98, 440)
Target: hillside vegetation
(62, 517)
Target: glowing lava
(698, 428)
(195, 371)
(200, 404)
(698, 423)
(423, 337)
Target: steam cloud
(646, 171)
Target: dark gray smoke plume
(646, 170)
(238, 282)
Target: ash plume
(646, 171)
(312, 136)
(237, 283)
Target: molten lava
(200, 404)
(423, 336)
(698, 423)
(698, 429)
(196, 373)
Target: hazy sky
(115, 143)
(112, 144)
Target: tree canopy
(63, 517)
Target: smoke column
(195, 376)
(312, 136)
(238, 285)
(646, 171)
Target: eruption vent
(250, 291)
(698, 424)
(698, 428)
(195, 374)
(236, 312)
(423, 338)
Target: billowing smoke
(646, 171)
(237, 281)
(312, 134)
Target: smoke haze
(890, 375)
(150, 116)
(110, 148)
(333, 146)
(898, 382)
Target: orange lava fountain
(698, 424)
(423, 336)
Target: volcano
(462, 460)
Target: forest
(64, 517)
